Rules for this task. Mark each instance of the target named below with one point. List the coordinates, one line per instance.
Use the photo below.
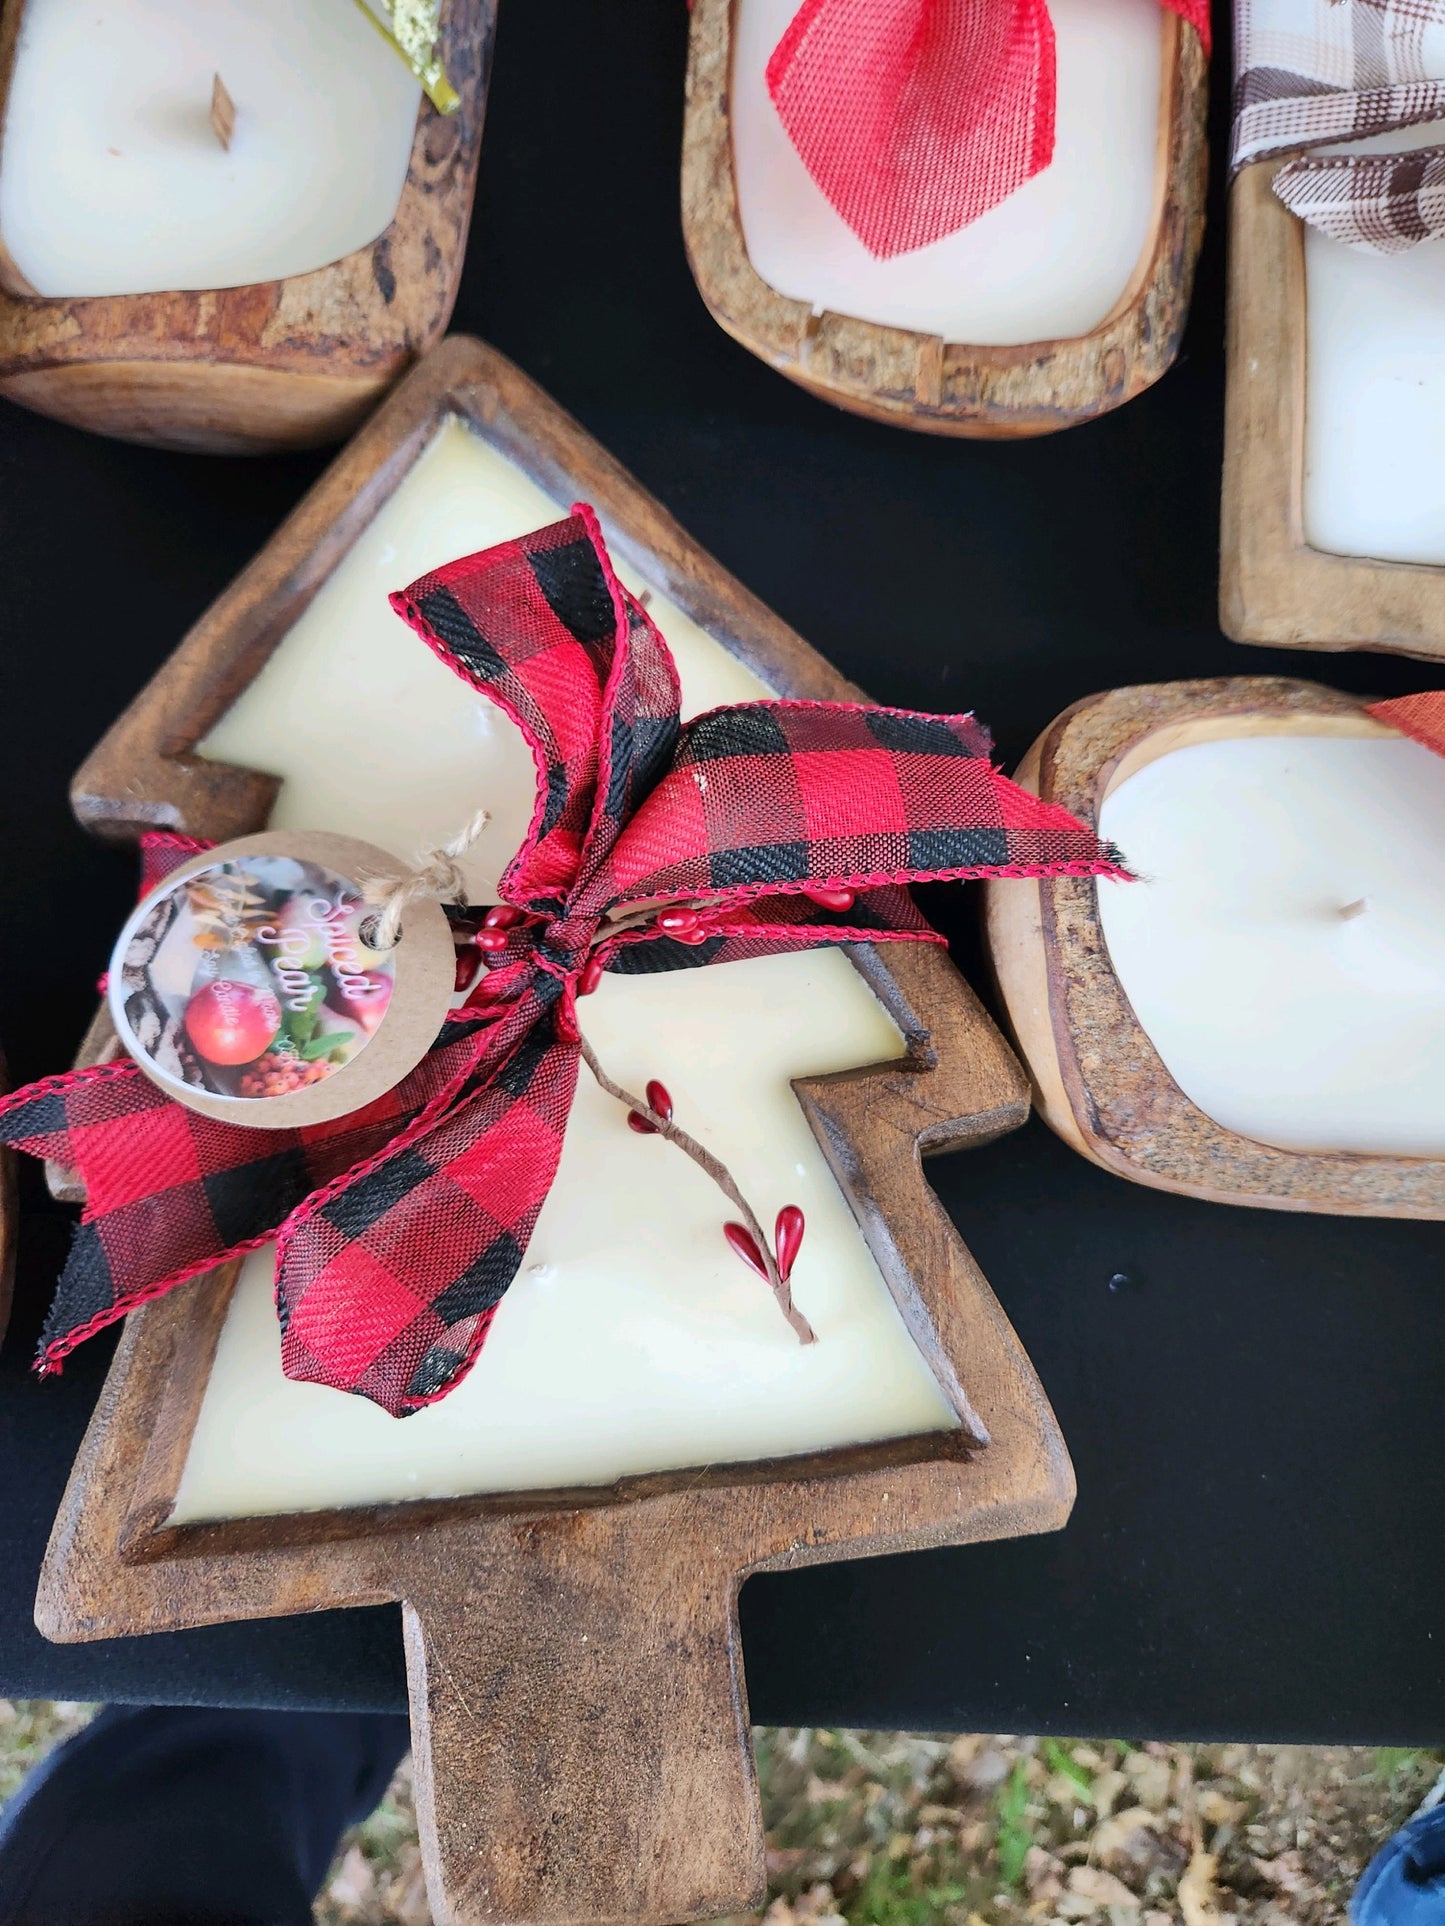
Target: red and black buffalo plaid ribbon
(399, 1228)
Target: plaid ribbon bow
(915, 117)
(1312, 72)
(400, 1227)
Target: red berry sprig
(787, 1240)
(746, 1246)
(659, 1102)
(683, 925)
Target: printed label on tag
(245, 985)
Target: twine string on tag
(437, 878)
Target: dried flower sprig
(415, 31)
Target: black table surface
(1253, 1413)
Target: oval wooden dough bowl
(1097, 1078)
(277, 364)
(917, 380)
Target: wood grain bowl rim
(1098, 1078)
(1274, 588)
(918, 380)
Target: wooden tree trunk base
(581, 1739)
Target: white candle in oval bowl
(112, 180)
(1050, 262)
(633, 1339)
(1281, 1017)
(1375, 389)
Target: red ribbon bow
(915, 117)
(753, 830)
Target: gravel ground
(899, 1829)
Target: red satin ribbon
(917, 116)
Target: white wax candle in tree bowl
(632, 1340)
(541, 1621)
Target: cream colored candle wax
(633, 1339)
(1050, 261)
(1285, 946)
(1375, 389)
(112, 180)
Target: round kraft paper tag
(244, 985)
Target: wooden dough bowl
(1097, 1077)
(1273, 587)
(578, 1704)
(277, 364)
(919, 380)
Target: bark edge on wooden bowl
(917, 380)
(1097, 1078)
(272, 365)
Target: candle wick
(223, 112)
(1352, 910)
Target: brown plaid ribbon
(1311, 73)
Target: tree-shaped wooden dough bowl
(1097, 1077)
(277, 364)
(917, 380)
(1273, 587)
(578, 1704)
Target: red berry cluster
(788, 1234)
(274, 1075)
(660, 1102)
(475, 942)
(787, 1237)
